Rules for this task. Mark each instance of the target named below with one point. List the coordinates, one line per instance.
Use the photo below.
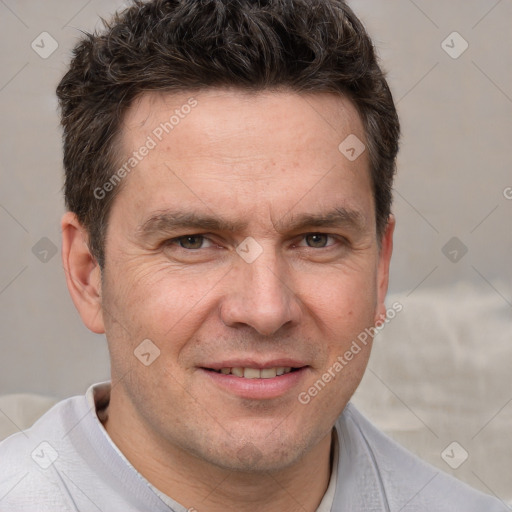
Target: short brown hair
(189, 45)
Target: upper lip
(254, 363)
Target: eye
(191, 242)
(318, 240)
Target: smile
(256, 373)
(251, 382)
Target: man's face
(182, 272)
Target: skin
(261, 160)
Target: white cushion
(20, 411)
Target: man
(229, 168)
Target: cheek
(341, 298)
(156, 302)
(343, 309)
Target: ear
(386, 249)
(83, 274)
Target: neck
(202, 486)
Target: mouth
(257, 381)
(255, 373)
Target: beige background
(454, 173)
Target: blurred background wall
(450, 69)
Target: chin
(250, 459)
(254, 452)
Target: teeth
(268, 373)
(256, 373)
(252, 373)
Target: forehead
(217, 113)
(244, 153)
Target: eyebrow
(170, 220)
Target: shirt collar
(359, 485)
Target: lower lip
(257, 389)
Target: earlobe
(83, 274)
(386, 249)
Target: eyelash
(176, 241)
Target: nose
(261, 295)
